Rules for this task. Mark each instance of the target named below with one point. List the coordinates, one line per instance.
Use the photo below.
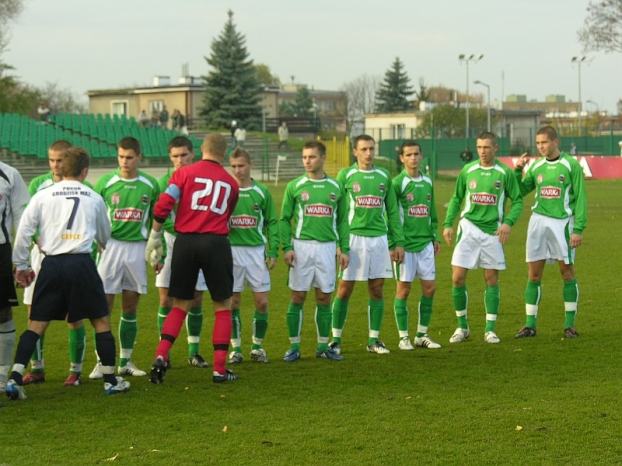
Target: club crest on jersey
(410, 197)
(256, 208)
(115, 199)
(550, 192)
(561, 178)
(144, 199)
(540, 178)
(304, 196)
(318, 210)
(128, 215)
(332, 197)
(429, 197)
(484, 199)
(370, 202)
(243, 221)
(498, 184)
(381, 187)
(356, 187)
(418, 211)
(472, 184)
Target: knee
(429, 290)
(261, 305)
(6, 315)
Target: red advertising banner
(594, 166)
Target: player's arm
(285, 225)
(453, 209)
(343, 227)
(28, 224)
(513, 193)
(19, 199)
(272, 226)
(526, 184)
(103, 227)
(580, 210)
(161, 211)
(393, 216)
(434, 222)
(397, 189)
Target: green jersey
(130, 204)
(319, 209)
(560, 189)
(415, 200)
(254, 221)
(485, 191)
(371, 202)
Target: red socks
(220, 339)
(170, 331)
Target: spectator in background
(240, 136)
(283, 136)
(573, 149)
(234, 127)
(164, 118)
(175, 119)
(466, 156)
(143, 119)
(44, 111)
(155, 118)
(398, 159)
(183, 126)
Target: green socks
(425, 313)
(533, 294)
(194, 325)
(236, 331)
(461, 300)
(128, 328)
(340, 312)
(323, 317)
(260, 327)
(36, 360)
(77, 345)
(162, 313)
(375, 315)
(401, 316)
(491, 301)
(294, 324)
(571, 298)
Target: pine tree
(395, 90)
(232, 87)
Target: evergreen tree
(302, 105)
(232, 87)
(395, 90)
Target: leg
(461, 301)
(340, 309)
(260, 326)
(7, 343)
(220, 340)
(294, 324)
(400, 307)
(25, 347)
(323, 319)
(77, 345)
(194, 326)
(128, 328)
(491, 301)
(37, 362)
(236, 329)
(571, 298)
(107, 351)
(375, 309)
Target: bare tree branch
(602, 29)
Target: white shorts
(36, 258)
(163, 279)
(249, 263)
(417, 265)
(315, 266)
(122, 266)
(369, 259)
(549, 239)
(474, 248)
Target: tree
(232, 87)
(61, 100)
(395, 90)
(302, 105)
(360, 98)
(451, 119)
(423, 94)
(265, 76)
(602, 29)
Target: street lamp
(464, 58)
(578, 61)
(488, 89)
(597, 113)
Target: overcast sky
(99, 44)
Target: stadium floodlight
(488, 89)
(578, 60)
(463, 58)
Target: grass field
(543, 400)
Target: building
(328, 106)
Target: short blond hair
(239, 153)
(215, 144)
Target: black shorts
(68, 287)
(8, 297)
(205, 251)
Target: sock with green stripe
(401, 316)
(461, 301)
(375, 315)
(533, 294)
(425, 314)
(128, 328)
(236, 331)
(323, 318)
(260, 327)
(37, 363)
(77, 345)
(194, 325)
(571, 299)
(491, 301)
(294, 324)
(340, 313)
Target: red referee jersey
(206, 195)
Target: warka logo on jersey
(550, 192)
(418, 211)
(243, 221)
(318, 210)
(369, 202)
(128, 215)
(484, 199)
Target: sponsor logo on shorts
(370, 202)
(550, 192)
(115, 199)
(304, 196)
(356, 187)
(128, 215)
(472, 185)
(484, 199)
(243, 221)
(410, 197)
(561, 178)
(318, 210)
(498, 184)
(144, 199)
(418, 211)
(540, 178)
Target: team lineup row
(377, 227)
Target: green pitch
(543, 400)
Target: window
(156, 105)
(119, 107)
(397, 131)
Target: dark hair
(318, 145)
(180, 141)
(362, 137)
(410, 143)
(129, 142)
(75, 160)
(488, 135)
(549, 131)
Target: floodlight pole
(578, 61)
(464, 58)
(488, 89)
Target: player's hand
(24, 277)
(503, 232)
(447, 234)
(154, 249)
(344, 261)
(158, 267)
(270, 262)
(576, 240)
(437, 247)
(398, 255)
(522, 161)
(290, 258)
